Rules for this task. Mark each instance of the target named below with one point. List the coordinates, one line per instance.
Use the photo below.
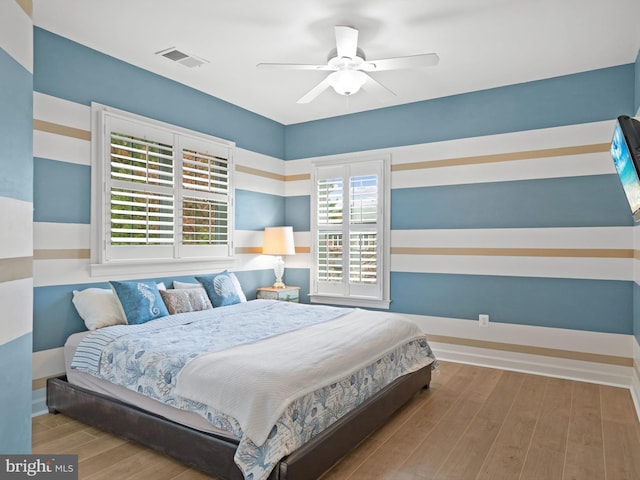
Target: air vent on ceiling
(181, 57)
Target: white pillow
(98, 307)
(177, 285)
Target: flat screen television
(625, 150)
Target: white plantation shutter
(350, 232)
(167, 192)
(204, 198)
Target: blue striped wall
(584, 201)
(100, 78)
(637, 84)
(63, 185)
(16, 112)
(571, 99)
(592, 304)
(567, 201)
(16, 193)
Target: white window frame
(175, 258)
(342, 293)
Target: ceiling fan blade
(346, 41)
(374, 87)
(294, 66)
(411, 61)
(315, 91)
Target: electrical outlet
(483, 320)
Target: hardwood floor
(473, 423)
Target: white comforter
(255, 382)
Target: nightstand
(286, 294)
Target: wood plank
(581, 432)
(545, 457)
(387, 461)
(620, 434)
(469, 453)
(509, 451)
(585, 449)
(431, 453)
(106, 461)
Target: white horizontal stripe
(64, 112)
(49, 236)
(48, 363)
(63, 272)
(61, 147)
(540, 168)
(16, 234)
(581, 268)
(16, 34)
(555, 137)
(578, 237)
(298, 188)
(16, 298)
(256, 183)
(545, 337)
(259, 161)
(530, 140)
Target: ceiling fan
(350, 68)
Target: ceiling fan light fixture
(347, 82)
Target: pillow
(140, 301)
(98, 307)
(186, 300)
(223, 289)
(179, 285)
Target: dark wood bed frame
(213, 454)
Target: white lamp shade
(278, 241)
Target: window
(350, 232)
(162, 194)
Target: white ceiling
(481, 43)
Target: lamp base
(278, 270)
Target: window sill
(350, 301)
(187, 266)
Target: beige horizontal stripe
(546, 352)
(296, 178)
(504, 157)
(258, 250)
(58, 129)
(17, 268)
(27, 6)
(59, 254)
(260, 173)
(517, 252)
(636, 254)
(274, 176)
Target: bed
(152, 383)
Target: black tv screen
(625, 151)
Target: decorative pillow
(98, 307)
(140, 301)
(223, 288)
(185, 300)
(179, 285)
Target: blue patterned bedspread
(147, 358)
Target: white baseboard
(39, 402)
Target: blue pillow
(222, 288)
(140, 301)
